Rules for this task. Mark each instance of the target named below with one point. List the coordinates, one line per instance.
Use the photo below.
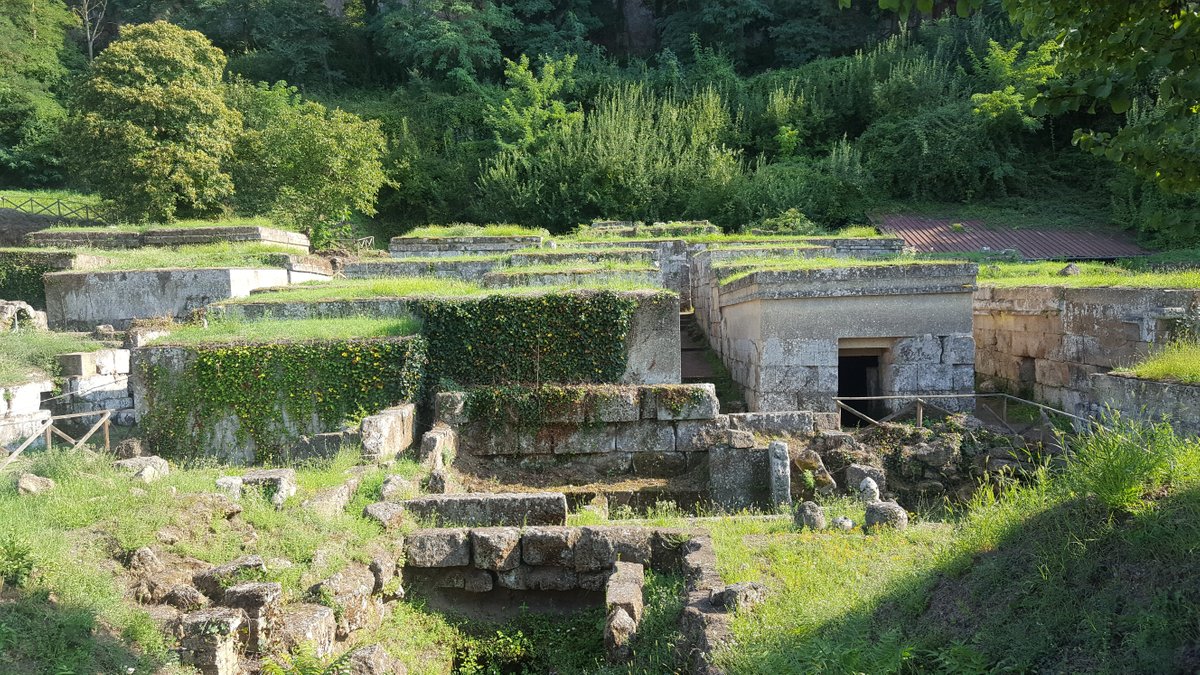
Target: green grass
(854, 232)
(234, 330)
(469, 230)
(196, 256)
(1177, 362)
(1092, 275)
(433, 262)
(736, 269)
(177, 224)
(360, 289)
(29, 355)
(75, 198)
(579, 267)
(405, 287)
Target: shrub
(150, 127)
(16, 560)
(1122, 465)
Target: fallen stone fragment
(739, 597)
(885, 514)
(810, 516)
(842, 523)
(230, 485)
(212, 582)
(374, 660)
(209, 641)
(619, 630)
(146, 469)
(387, 514)
(302, 623)
(29, 484)
(276, 484)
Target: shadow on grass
(1070, 588)
(39, 635)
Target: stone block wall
(781, 333)
(21, 413)
(84, 300)
(435, 247)
(168, 236)
(1146, 400)
(94, 381)
(508, 278)
(448, 268)
(1049, 341)
(652, 431)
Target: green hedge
(566, 338)
(21, 278)
(261, 384)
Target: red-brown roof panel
(937, 235)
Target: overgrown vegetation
(1091, 275)
(226, 330)
(21, 273)
(195, 256)
(29, 355)
(278, 391)
(1176, 362)
(790, 116)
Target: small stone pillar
(623, 600)
(262, 603)
(210, 640)
(779, 466)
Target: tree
(91, 17)
(1115, 53)
(149, 127)
(302, 163)
(33, 51)
(533, 108)
(446, 37)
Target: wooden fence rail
(53, 207)
(49, 430)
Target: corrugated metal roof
(937, 235)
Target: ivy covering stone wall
(252, 402)
(577, 337)
(21, 277)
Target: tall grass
(1177, 362)
(27, 355)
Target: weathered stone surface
(599, 548)
(698, 563)
(885, 514)
(276, 484)
(383, 566)
(738, 479)
(303, 623)
(619, 631)
(230, 485)
(659, 464)
(740, 439)
(496, 548)
(145, 561)
(868, 490)
(810, 516)
(395, 488)
(374, 660)
(686, 402)
(701, 435)
(856, 473)
(129, 448)
(185, 598)
(145, 469)
(491, 509)
(388, 432)
(468, 579)
(549, 546)
(779, 471)
(809, 460)
(332, 501)
(212, 582)
(262, 602)
(438, 548)
(387, 514)
(29, 484)
(16, 314)
(842, 523)
(739, 597)
(210, 639)
(646, 436)
(785, 423)
(352, 589)
(624, 589)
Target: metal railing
(52, 207)
(918, 403)
(49, 430)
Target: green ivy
(21, 279)
(264, 385)
(565, 338)
(529, 408)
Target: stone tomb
(796, 339)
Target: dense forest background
(789, 114)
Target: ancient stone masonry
(83, 300)
(1048, 341)
(787, 336)
(94, 381)
(1138, 399)
(21, 413)
(18, 315)
(442, 268)
(167, 236)
(434, 247)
